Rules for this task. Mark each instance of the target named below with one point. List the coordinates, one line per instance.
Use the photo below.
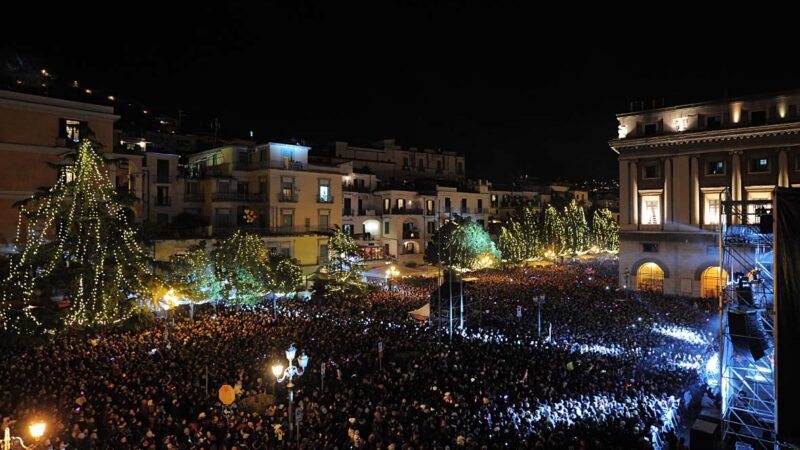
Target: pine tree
(605, 230)
(575, 227)
(553, 231)
(76, 239)
(345, 265)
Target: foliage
(76, 240)
(576, 230)
(192, 276)
(345, 266)
(461, 245)
(605, 230)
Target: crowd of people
(611, 372)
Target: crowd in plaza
(612, 373)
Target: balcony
(411, 234)
(349, 187)
(193, 197)
(229, 196)
(328, 199)
(289, 198)
(481, 211)
(223, 228)
(430, 212)
(406, 211)
(347, 212)
(464, 210)
(163, 201)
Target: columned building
(674, 165)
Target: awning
(421, 313)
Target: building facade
(674, 164)
(36, 134)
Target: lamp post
(288, 374)
(37, 431)
(627, 275)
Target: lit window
(650, 277)
(72, 130)
(751, 209)
(651, 209)
(759, 165)
(712, 212)
(712, 280)
(716, 168)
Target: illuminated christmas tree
(75, 241)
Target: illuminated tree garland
(75, 239)
(248, 272)
(463, 245)
(559, 232)
(345, 265)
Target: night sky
(516, 91)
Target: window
(223, 186)
(387, 204)
(712, 211)
(447, 204)
(651, 171)
(222, 218)
(429, 207)
(758, 118)
(751, 209)
(348, 204)
(386, 227)
(162, 196)
(162, 171)
(323, 253)
(405, 163)
(650, 247)
(323, 219)
(711, 282)
(287, 187)
(347, 228)
(464, 205)
(650, 129)
(493, 200)
(400, 204)
(759, 165)
(713, 122)
(439, 166)
(480, 205)
(421, 166)
(430, 227)
(287, 218)
(650, 277)
(71, 130)
(67, 173)
(460, 168)
(716, 167)
(324, 190)
(651, 209)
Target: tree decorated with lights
(605, 230)
(192, 277)
(461, 246)
(344, 266)
(240, 263)
(76, 240)
(553, 235)
(510, 243)
(248, 271)
(576, 230)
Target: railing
(481, 211)
(430, 212)
(411, 234)
(257, 197)
(229, 196)
(288, 165)
(223, 229)
(409, 211)
(283, 197)
(193, 197)
(347, 212)
(354, 188)
(328, 199)
(464, 210)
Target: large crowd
(612, 372)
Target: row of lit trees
(77, 244)
(557, 232)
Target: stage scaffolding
(747, 381)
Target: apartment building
(390, 162)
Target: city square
(395, 226)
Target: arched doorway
(712, 280)
(650, 277)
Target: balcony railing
(196, 197)
(229, 196)
(347, 212)
(284, 197)
(464, 210)
(411, 234)
(481, 211)
(354, 188)
(408, 211)
(227, 228)
(328, 199)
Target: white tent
(422, 313)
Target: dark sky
(518, 91)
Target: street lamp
(36, 429)
(276, 370)
(391, 272)
(288, 374)
(627, 274)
